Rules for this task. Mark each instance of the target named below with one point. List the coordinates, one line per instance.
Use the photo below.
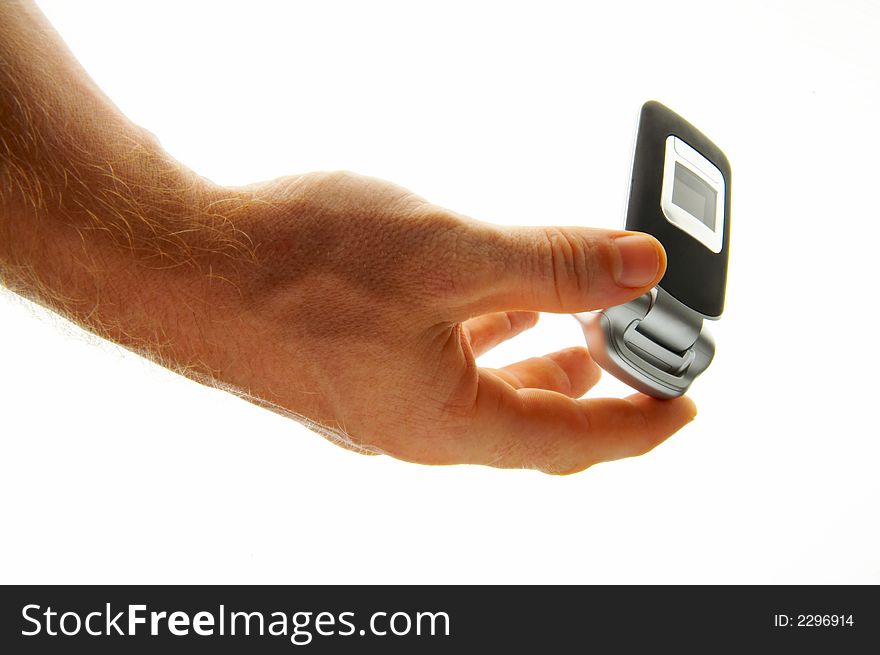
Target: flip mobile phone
(680, 194)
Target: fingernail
(638, 260)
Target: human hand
(366, 306)
(345, 301)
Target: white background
(113, 470)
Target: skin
(344, 301)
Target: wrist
(130, 247)
(173, 293)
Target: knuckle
(566, 259)
(520, 321)
(560, 380)
(507, 323)
(444, 252)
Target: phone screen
(694, 196)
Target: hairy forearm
(101, 225)
(96, 220)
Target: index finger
(546, 430)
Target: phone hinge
(655, 343)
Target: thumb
(563, 269)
